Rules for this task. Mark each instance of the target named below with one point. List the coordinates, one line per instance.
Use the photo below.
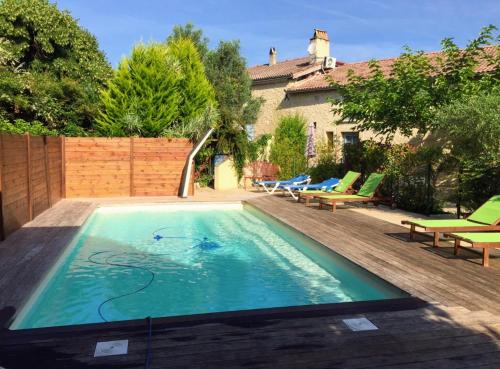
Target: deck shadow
(431, 336)
(445, 249)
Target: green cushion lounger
(482, 240)
(485, 218)
(367, 193)
(343, 187)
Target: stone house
(300, 86)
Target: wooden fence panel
(29, 185)
(36, 172)
(97, 167)
(102, 167)
(15, 182)
(157, 165)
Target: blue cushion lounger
(271, 186)
(326, 185)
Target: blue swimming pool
(169, 260)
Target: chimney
(319, 46)
(272, 56)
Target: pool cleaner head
(207, 245)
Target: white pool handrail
(186, 177)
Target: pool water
(169, 260)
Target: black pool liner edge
(246, 318)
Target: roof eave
(263, 81)
(306, 90)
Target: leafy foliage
(257, 149)
(196, 92)
(226, 70)
(470, 131)
(20, 127)
(287, 149)
(327, 162)
(50, 67)
(453, 107)
(407, 98)
(411, 172)
(189, 31)
(160, 90)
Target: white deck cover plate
(360, 324)
(109, 348)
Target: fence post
(63, 166)
(28, 166)
(48, 182)
(132, 190)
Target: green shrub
(20, 127)
(470, 131)
(288, 147)
(257, 149)
(411, 177)
(365, 157)
(327, 163)
(410, 172)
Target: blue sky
(358, 30)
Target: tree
(196, 92)
(53, 69)
(194, 34)
(441, 95)
(406, 99)
(226, 70)
(142, 98)
(288, 147)
(160, 90)
(470, 127)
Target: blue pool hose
(202, 244)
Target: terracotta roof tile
(339, 74)
(282, 69)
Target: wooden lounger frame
(438, 230)
(310, 197)
(333, 202)
(480, 245)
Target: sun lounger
(485, 218)
(272, 186)
(343, 187)
(328, 184)
(367, 193)
(482, 240)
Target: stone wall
(314, 106)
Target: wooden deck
(433, 274)
(459, 329)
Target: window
(329, 139)
(349, 138)
(250, 128)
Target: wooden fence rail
(36, 172)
